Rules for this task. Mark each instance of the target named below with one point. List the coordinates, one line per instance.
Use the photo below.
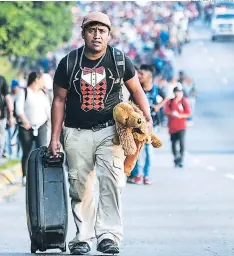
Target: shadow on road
(211, 152)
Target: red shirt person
(177, 110)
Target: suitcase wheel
(33, 247)
(63, 248)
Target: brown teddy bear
(131, 127)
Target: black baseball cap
(147, 68)
(178, 88)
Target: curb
(9, 176)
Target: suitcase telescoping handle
(50, 161)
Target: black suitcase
(46, 201)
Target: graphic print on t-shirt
(93, 87)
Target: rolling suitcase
(46, 201)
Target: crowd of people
(25, 115)
(153, 33)
(172, 103)
(32, 101)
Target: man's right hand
(175, 114)
(157, 108)
(27, 125)
(54, 147)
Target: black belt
(98, 126)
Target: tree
(33, 28)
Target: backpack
(170, 103)
(119, 59)
(2, 107)
(2, 101)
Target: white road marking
(217, 70)
(196, 160)
(229, 176)
(211, 59)
(211, 168)
(224, 80)
(205, 50)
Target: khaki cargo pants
(93, 157)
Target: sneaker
(181, 164)
(108, 246)
(4, 155)
(147, 181)
(177, 161)
(80, 248)
(24, 181)
(190, 123)
(135, 180)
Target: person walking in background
(48, 82)
(177, 110)
(22, 79)
(181, 77)
(163, 86)
(33, 112)
(48, 88)
(190, 92)
(12, 141)
(157, 100)
(6, 112)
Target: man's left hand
(149, 127)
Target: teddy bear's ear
(120, 115)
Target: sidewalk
(10, 180)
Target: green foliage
(9, 164)
(34, 28)
(7, 70)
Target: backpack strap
(25, 93)
(170, 104)
(181, 103)
(2, 106)
(155, 94)
(119, 59)
(72, 60)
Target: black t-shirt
(93, 92)
(4, 90)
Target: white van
(222, 24)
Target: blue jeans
(12, 145)
(147, 162)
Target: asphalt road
(186, 212)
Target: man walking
(177, 110)
(6, 112)
(153, 93)
(87, 86)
